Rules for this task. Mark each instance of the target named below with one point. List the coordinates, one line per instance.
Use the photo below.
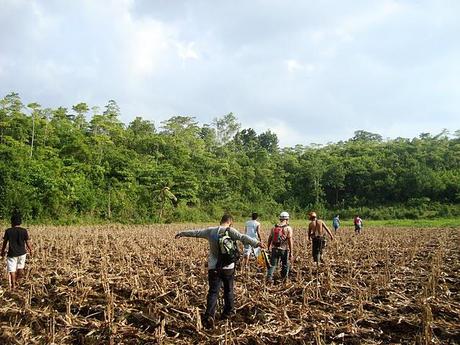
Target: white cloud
(375, 15)
(294, 66)
(187, 51)
(147, 44)
(287, 134)
(280, 66)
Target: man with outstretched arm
(218, 273)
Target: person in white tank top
(252, 229)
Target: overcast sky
(311, 71)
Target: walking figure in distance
(17, 239)
(252, 229)
(336, 223)
(218, 273)
(358, 222)
(280, 243)
(317, 230)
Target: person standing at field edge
(17, 239)
(358, 222)
(280, 243)
(252, 229)
(218, 274)
(336, 223)
(317, 230)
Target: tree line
(82, 164)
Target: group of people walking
(279, 245)
(357, 222)
(222, 252)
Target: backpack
(228, 249)
(278, 235)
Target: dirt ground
(138, 285)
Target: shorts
(248, 250)
(15, 263)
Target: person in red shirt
(358, 222)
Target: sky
(310, 71)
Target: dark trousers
(216, 278)
(317, 248)
(277, 255)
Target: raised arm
(202, 233)
(237, 236)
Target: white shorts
(248, 250)
(16, 263)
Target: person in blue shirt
(336, 223)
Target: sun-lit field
(138, 285)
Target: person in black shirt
(17, 239)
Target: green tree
(226, 127)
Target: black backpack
(228, 249)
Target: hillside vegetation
(74, 165)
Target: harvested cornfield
(138, 285)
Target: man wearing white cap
(281, 244)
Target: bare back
(316, 228)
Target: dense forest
(82, 164)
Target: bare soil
(138, 285)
